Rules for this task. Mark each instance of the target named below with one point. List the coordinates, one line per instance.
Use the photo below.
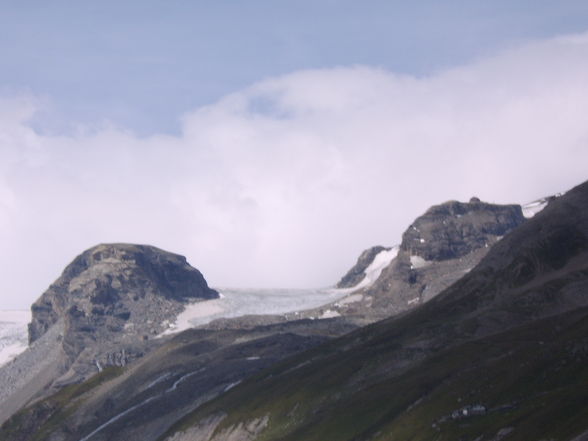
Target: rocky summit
(114, 286)
(104, 310)
(116, 294)
(437, 249)
(455, 229)
(440, 246)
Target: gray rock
(438, 249)
(113, 299)
(454, 229)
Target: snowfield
(373, 271)
(418, 262)
(13, 334)
(381, 261)
(240, 302)
(532, 208)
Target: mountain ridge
(531, 278)
(320, 370)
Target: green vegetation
(527, 378)
(46, 416)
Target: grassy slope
(533, 378)
(482, 341)
(51, 413)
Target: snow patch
(13, 334)
(232, 385)
(532, 208)
(373, 271)
(413, 301)
(159, 380)
(141, 404)
(193, 311)
(329, 313)
(182, 379)
(241, 302)
(418, 262)
(117, 417)
(9, 352)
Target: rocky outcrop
(112, 299)
(356, 274)
(455, 229)
(439, 248)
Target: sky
(271, 142)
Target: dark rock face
(454, 229)
(438, 249)
(356, 274)
(113, 297)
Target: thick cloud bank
(282, 184)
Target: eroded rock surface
(113, 298)
(438, 249)
(455, 229)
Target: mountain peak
(454, 229)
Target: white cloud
(282, 184)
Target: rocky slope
(140, 401)
(438, 248)
(104, 310)
(99, 320)
(116, 285)
(501, 354)
(113, 297)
